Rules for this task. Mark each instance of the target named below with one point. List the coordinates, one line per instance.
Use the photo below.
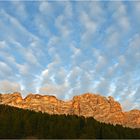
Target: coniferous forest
(19, 123)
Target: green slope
(19, 123)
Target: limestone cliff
(89, 105)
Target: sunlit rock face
(89, 105)
(11, 99)
(132, 118)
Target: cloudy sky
(69, 48)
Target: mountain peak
(103, 109)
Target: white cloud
(76, 52)
(29, 53)
(101, 63)
(137, 92)
(20, 9)
(52, 75)
(122, 60)
(9, 86)
(60, 76)
(55, 63)
(125, 23)
(44, 17)
(64, 83)
(113, 38)
(5, 70)
(23, 69)
(62, 26)
(45, 7)
(53, 41)
(89, 24)
(67, 8)
(103, 87)
(42, 26)
(30, 57)
(121, 17)
(3, 45)
(44, 73)
(53, 81)
(38, 49)
(122, 73)
(129, 61)
(74, 75)
(79, 80)
(96, 11)
(9, 59)
(136, 11)
(85, 82)
(56, 90)
(87, 65)
(134, 46)
(126, 104)
(91, 17)
(16, 31)
(137, 6)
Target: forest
(26, 124)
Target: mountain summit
(88, 105)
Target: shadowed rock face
(89, 105)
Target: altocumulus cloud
(68, 48)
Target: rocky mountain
(89, 105)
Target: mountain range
(103, 109)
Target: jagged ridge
(89, 105)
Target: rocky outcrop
(89, 105)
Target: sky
(66, 48)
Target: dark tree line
(19, 123)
